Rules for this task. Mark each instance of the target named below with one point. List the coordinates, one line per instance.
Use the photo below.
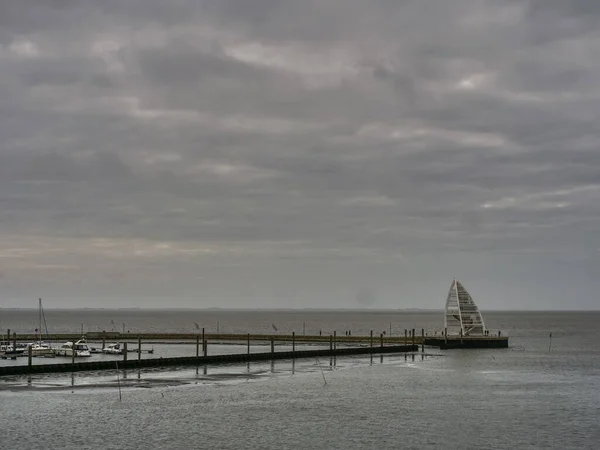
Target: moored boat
(7, 350)
(80, 347)
(113, 349)
(42, 349)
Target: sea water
(541, 392)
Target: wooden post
(335, 340)
(248, 343)
(330, 343)
(197, 346)
(73, 352)
(272, 345)
(405, 336)
(103, 339)
(139, 348)
(29, 355)
(422, 340)
(14, 341)
(205, 348)
(461, 335)
(202, 336)
(303, 328)
(293, 342)
(413, 336)
(124, 351)
(381, 340)
(371, 341)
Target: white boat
(81, 349)
(113, 349)
(41, 349)
(5, 346)
(7, 351)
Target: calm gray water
(528, 396)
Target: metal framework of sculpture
(462, 315)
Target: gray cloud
(284, 153)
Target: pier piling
(293, 342)
(125, 351)
(248, 343)
(272, 345)
(193, 361)
(29, 355)
(139, 348)
(371, 341)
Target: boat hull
(69, 352)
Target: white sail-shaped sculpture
(462, 315)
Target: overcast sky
(286, 153)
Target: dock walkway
(201, 360)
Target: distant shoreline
(365, 310)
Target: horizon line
(137, 308)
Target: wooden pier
(201, 360)
(156, 338)
(456, 342)
(338, 346)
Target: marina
(397, 394)
(464, 328)
(279, 346)
(228, 382)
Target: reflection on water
(181, 375)
(354, 402)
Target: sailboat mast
(40, 320)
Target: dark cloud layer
(263, 153)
